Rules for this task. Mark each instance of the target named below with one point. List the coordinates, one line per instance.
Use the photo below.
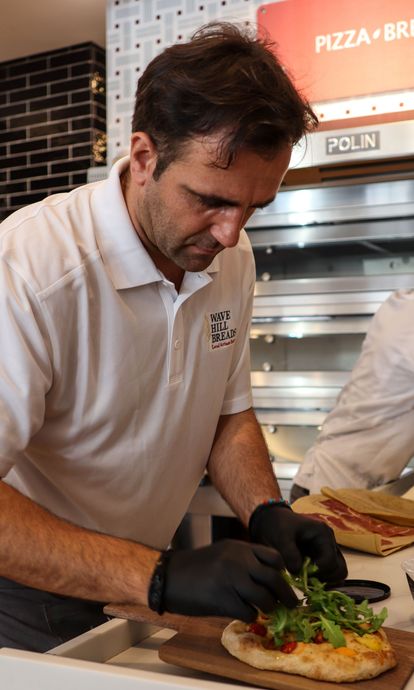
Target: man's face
(196, 209)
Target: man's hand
(228, 578)
(295, 537)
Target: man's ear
(143, 155)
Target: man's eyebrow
(215, 200)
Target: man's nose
(227, 226)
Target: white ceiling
(36, 26)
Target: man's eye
(208, 203)
(200, 201)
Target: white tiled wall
(136, 31)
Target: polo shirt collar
(122, 251)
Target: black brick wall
(52, 123)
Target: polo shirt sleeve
(238, 396)
(25, 366)
(368, 438)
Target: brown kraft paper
(359, 530)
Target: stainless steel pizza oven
(326, 258)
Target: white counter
(121, 655)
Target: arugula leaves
(322, 611)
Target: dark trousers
(36, 621)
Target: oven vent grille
(352, 172)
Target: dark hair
(223, 80)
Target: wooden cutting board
(197, 646)
(205, 653)
(195, 625)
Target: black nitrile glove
(295, 537)
(228, 578)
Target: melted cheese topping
(371, 641)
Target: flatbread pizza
(327, 637)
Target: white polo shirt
(368, 438)
(111, 384)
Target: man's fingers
(242, 609)
(269, 556)
(319, 544)
(268, 574)
(329, 573)
(258, 596)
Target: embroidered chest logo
(221, 329)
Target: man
(367, 439)
(125, 366)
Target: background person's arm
(368, 438)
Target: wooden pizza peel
(197, 646)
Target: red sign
(343, 48)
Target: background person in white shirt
(368, 437)
(125, 312)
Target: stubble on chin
(194, 263)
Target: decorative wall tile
(137, 30)
(52, 114)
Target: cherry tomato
(288, 647)
(319, 638)
(257, 629)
